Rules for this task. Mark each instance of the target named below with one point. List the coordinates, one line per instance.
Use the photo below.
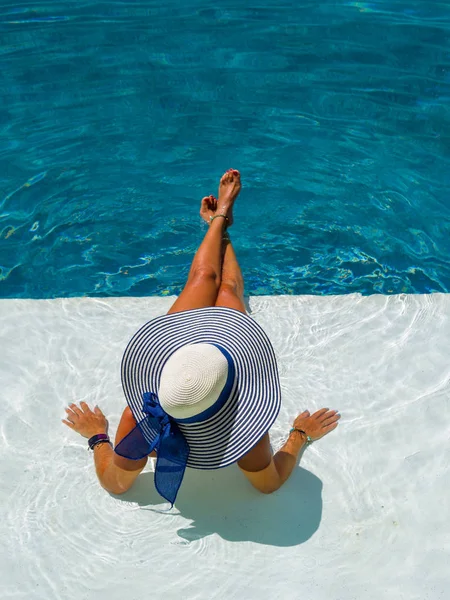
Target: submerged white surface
(365, 516)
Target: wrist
(96, 431)
(97, 439)
(297, 439)
(301, 433)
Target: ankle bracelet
(211, 219)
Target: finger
(329, 428)
(331, 418)
(72, 417)
(75, 409)
(85, 407)
(305, 413)
(318, 414)
(329, 413)
(68, 423)
(98, 411)
(71, 414)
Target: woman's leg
(205, 274)
(231, 291)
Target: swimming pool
(117, 118)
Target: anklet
(211, 219)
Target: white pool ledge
(365, 516)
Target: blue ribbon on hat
(158, 431)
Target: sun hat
(203, 386)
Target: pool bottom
(367, 499)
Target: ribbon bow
(158, 431)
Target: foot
(229, 188)
(208, 208)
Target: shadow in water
(223, 502)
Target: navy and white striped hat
(213, 371)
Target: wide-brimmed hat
(203, 386)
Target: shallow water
(364, 516)
(116, 118)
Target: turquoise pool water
(116, 118)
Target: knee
(232, 286)
(201, 274)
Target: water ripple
(336, 114)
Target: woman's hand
(319, 424)
(85, 421)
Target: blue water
(117, 117)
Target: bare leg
(205, 274)
(231, 290)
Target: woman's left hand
(85, 421)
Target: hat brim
(254, 402)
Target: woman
(201, 382)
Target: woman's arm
(267, 473)
(115, 473)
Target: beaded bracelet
(308, 438)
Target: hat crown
(192, 380)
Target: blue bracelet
(100, 438)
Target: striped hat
(210, 375)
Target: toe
(204, 207)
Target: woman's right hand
(319, 424)
(85, 421)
